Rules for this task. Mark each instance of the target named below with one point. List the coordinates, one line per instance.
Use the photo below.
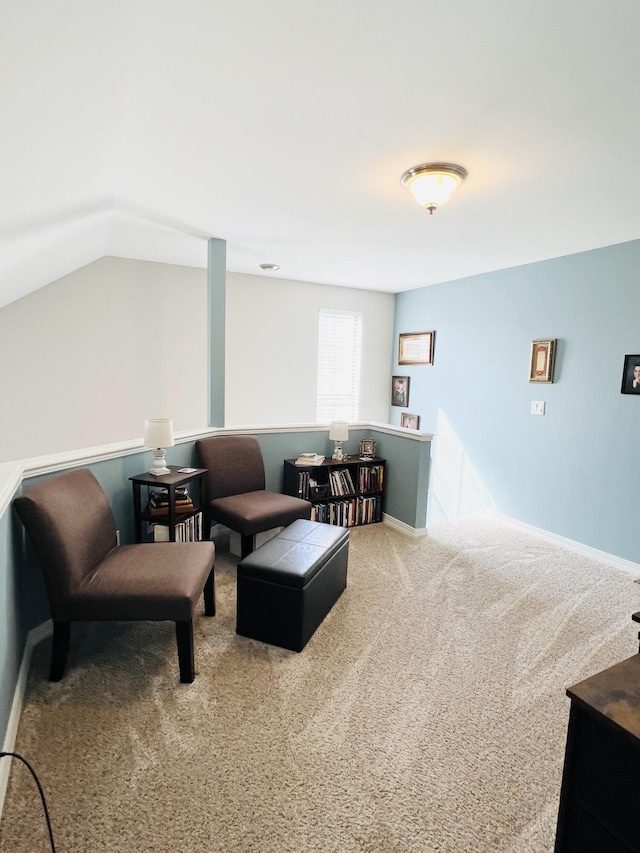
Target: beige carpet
(428, 713)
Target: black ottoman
(287, 586)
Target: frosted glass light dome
(431, 184)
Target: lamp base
(338, 455)
(159, 463)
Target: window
(339, 347)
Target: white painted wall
(85, 359)
(272, 348)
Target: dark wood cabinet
(600, 796)
(169, 522)
(348, 493)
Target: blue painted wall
(576, 470)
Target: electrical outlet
(537, 407)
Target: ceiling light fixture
(431, 184)
(269, 267)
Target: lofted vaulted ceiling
(139, 128)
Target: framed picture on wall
(416, 348)
(542, 359)
(399, 390)
(410, 421)
(631, 375)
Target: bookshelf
(348, 493)
(161, 511)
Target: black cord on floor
(37, 781)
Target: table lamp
(158, 434)
(338, 432)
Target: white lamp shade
(158, 432)
(339, 431)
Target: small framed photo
(542, 359)
(399, 390)
(631, 375)
(367, 448)
(410, 421)
(416, 348)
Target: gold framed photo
(367, 448)
(416, 348)
(542, 360)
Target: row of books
(371, 478)
(348, 513)
(340, 483)
(310, 489)
(188, 530)
(159, 502)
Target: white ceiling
(139, 128)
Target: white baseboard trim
(414, 532)
(33, 638)
(571, 545)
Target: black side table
(168, 483)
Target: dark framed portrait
(399, 390)
(631, 375)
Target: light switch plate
(537, 407)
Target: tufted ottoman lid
(296, 554)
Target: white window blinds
(339, 348)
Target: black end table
(169, 483)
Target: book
(160, 533)
(309, 459)
(162, 498)
(164, 510)
(189, 530)
(178, 502)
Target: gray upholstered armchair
(89, 578)
(236, 494)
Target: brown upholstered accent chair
(236, 494)
(90, 578)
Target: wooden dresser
(600, 796)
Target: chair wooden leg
(636, 618)
(184, 636)
(246, 546)
(59, 649)
(210, 596)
